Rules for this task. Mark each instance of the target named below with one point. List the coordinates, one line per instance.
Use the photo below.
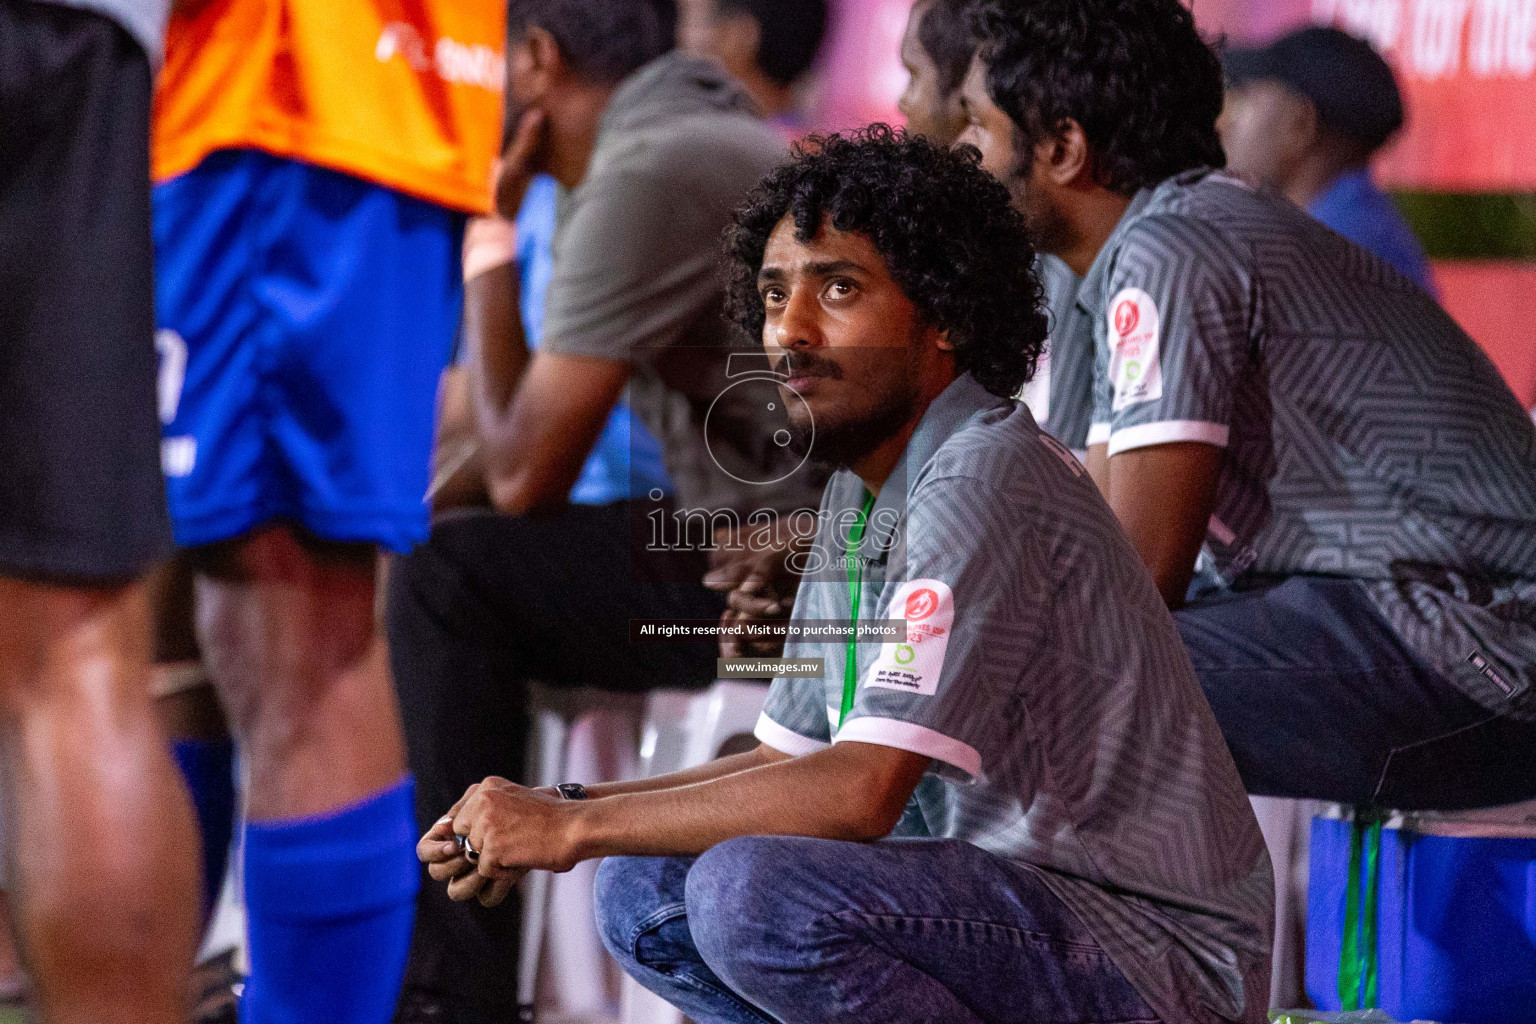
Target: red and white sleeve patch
(1135, 368)
(916, 664)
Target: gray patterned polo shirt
(1045, 678)
(1061, 393)
(1366, 435)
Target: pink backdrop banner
(1489, 300)
(862, 76)
(1468, 74)
(1467, 70)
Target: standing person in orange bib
(315, 165)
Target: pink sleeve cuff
(489, 242)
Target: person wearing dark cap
(1305, 115)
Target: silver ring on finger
(470, 853)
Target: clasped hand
(513, 830)
(759, 585)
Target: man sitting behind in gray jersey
(1076, 845)
(936, 50)
(1357, 482)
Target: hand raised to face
(515, 170)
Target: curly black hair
(1135, 74)
(949, 237)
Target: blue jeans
(783, 928)
(1319, 699)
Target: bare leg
(287, 626)
(287, 629)
(13, 977)
(103, 855)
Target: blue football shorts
(305, 317)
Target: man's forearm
(718, 768)
(837, 793)
(458, 463)
(497, 348)
(557, 413)
(1163, 495)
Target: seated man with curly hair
(1019, 809)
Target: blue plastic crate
(1456, 925)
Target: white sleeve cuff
(1146, 435)
(1098, 433)
(785, 741)
(891, 732)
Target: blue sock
(329, 905)
(208, 767)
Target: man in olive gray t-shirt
(636, 280)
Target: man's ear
(1302, 121)
(534, 66)
(1065, 155)
(943, 342)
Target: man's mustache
(805, 364)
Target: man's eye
(772, 297)
(839, 289)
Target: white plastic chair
(1287, 827)
(684, 730)
(664, 736)
(726, 710)
(579, 735)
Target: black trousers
(82, 499)
(486, 604)
(1319, 699)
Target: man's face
(848, 341)
(930, 111)
(991, 130)
(1263, 129)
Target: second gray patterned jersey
(1043, 676)
(1366, 435)
(1061, 394)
